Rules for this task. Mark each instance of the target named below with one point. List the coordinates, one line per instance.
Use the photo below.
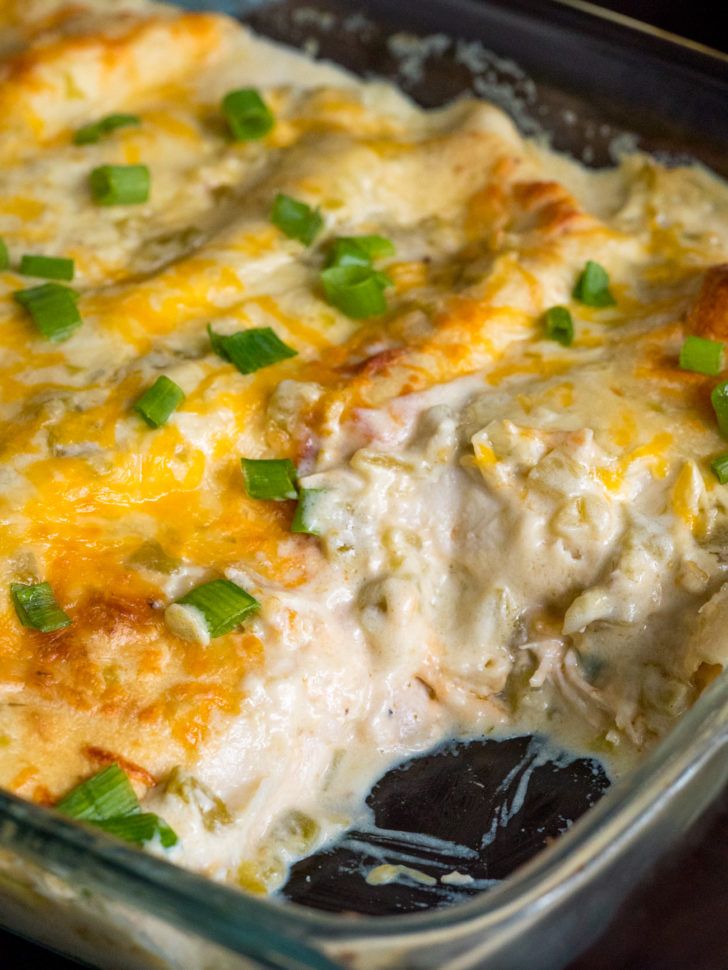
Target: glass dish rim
(224, 915)
(634, 24)
(555, 872)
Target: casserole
(698, 721)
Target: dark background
(678, 920)
(695, 20)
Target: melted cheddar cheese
(514, 535)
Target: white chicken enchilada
(330, 429)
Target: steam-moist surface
(514, 535)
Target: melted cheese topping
(514, 535)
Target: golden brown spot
(380, 362)
(68, 665)
(546, 208)
(101, 756)
(42, 796)
(488, 213)
(656, 359)
(708, 316)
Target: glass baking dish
(595, 85)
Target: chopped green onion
(90, 134)
(107, 794)
(350, 282)
(719, 400)
(47, 267)
(223, 604)
(592, 287)
(270, 478)
(377, 247)
(559, 325)
(4, 256)
(251, 350)
(36, 607)
(359, 250)
(347, 252)
(52, 308)
(296, 219)
(702, 356)
(120, 184)
(159, 401)
(247, 114)
(217, 342)
(358, 291)
(108, 802)
(720, 468)
(304, 518)
(139, 829)
(384, 279)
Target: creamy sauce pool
(513, 535)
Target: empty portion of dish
(500, 802)
(476, 491)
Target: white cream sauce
(494, 560)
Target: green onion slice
(251, 350)
(359, 250)
(90, 134)
(36, 607)
(270, 478)
(346, 251)
(107, 794)
(592, 286)
(304, 518)
(139, 829)
(4, 256)
(108, 801)
(720, 468)
(377, 247)
(47, 267)
(559, 325)
(159, 401)
(217, 342)
(358, 291)
(223, 604)
(296, 219)
(247, 114)
(52, 308)
(702, 356)
(120, 184)
(719, 400)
